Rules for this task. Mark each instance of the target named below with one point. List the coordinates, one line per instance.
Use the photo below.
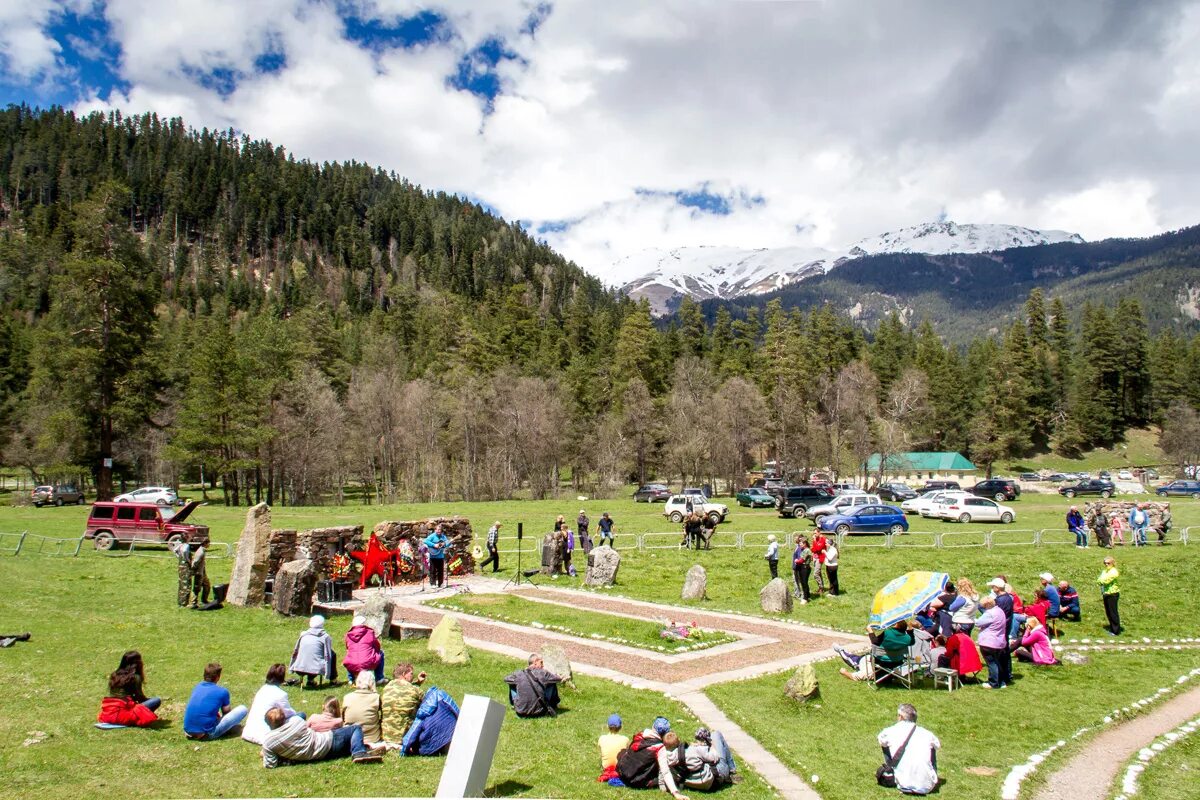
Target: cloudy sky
(609, 127)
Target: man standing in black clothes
(493, 536)
(581, 526)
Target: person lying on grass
(119, 708)
(290, 741)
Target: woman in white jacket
(313, 656)
(271, 695)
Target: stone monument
(377, 611)
(602, 565)
(295, 583)
(803, 686)
(447, 641)
(695, 584)
(775, 597)
(554, 659)
(249, 576)
(472, 748)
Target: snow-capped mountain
(728, 272)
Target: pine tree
(690, 324)
(636, 350)
(1133, 342)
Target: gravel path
(1093, 770)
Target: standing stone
(377, 611)
(602, 565)
(447, 641)
(249, 577)
(803, 686)
(775, 597)
(695, 584)
(294, 586)
(552, 563)
(554, 659)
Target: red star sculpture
(372, 559)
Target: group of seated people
(657, 756)
(363, 725)
(940, 635)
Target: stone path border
(1129, 784)
(1091, 772)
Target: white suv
(162, 495)
(677, 508)
(842, 503)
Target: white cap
(997, 583)
(771, 538)
(316, 621)
(1047, 577)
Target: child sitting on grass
(610, 744)
(330, 717)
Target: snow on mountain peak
(707, 272)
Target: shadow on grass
(507, 789)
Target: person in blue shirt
(208, 715)
(1070, 601)
(606, 530)
(1051, 595)
(438, 546)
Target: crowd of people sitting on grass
(363, 725)
(939, 636)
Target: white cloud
(27, 52)
(845, 122)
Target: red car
(112, 522)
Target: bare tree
(689, 422)
(848, 405)
(902, 413)
(1180, 438)
(311, 429)
(639, 425)
(738, 411)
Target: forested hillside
(181, 301)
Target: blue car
(1179, 489)
(866, 519)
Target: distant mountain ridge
(726, 273)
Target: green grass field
(586, 624)
(1173, 774)
(85, 611)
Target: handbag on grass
(886, 774)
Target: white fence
(14, 544)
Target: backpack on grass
(637, 765)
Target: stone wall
(405, 536)
(318, 544)
(1154, 510)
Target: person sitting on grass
(271, 695)
(912, 751)
(120, 707)
(313, 655)
(363, 650)
(364, 708)
(208, 714)
(1035, 645)
(291, 741)
(401, 699)
(533, 691)
(329, 718)
(708, 762)
(1070, 601)
(133, 660)
(670, 757)
(610, 744)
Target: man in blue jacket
(438, 546)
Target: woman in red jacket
(119, 708)
(961, 654)
(819, 544)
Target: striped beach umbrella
(905, 596)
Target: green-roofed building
(906, 466)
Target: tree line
(177, 303)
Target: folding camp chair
(883, 668)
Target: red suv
(112, 522)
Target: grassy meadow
(85, 611)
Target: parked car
(755, 498)
(841, 504)
(932, 508)
(1058, 477)
(914, 505)
(845, 487)
(1030, 476)
(1104, 475)
(794, 501)
(895, 492)
(873, 518)
(943, 485)
(111, 522)
(161, 495)
(1090, 486)
(998, 489)
(55, 495)
(678, 506)
(1124, 475)
(652, 493)
(705, 491)
(1149, 474)
(975, 509)
(1179, 489)
(772, 486)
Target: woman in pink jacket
(1035, 645)
(363, 651)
